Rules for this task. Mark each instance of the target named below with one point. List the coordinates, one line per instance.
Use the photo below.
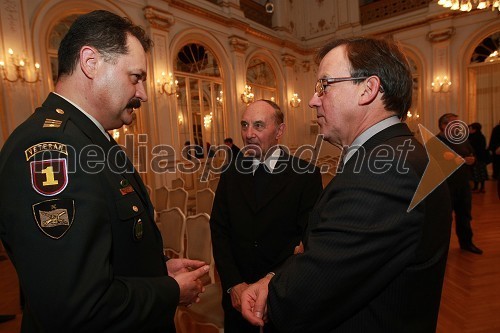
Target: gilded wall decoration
(159, 19)
(441, 35)
(10, 11)
(306, 66)
(288, 60)
(238, 44)
(322, 25)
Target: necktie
(261, 179)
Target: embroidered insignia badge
(49, 177)
(45, 146)
(138, 230)
(52, 123)
(127, 190)
(54, 217)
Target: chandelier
(468, 5)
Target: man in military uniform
(76, 219)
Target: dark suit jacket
(99, 267)
(369, 265)
(251, 238)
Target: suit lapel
(400, 129)
(245, 181)
(277, 181)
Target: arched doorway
(200, 97)
(262, 79)
(483, 73)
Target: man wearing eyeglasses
(370, 264)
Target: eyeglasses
(321, 84)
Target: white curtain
(484, 84)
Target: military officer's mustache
(134, 103)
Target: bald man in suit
(260, 210)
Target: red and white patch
(49, 177)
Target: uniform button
(60, 111)
(135, 209)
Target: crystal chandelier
(468, 5)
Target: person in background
(478, 143)
(76, 220)
(371, 262)
(458, 184)
(260, 211)
(494, 147)
(235, 150)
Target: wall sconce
(20, 64)
(207, 120)
(219, 98)
(180, 119)
(411, 116)
(295, 101)
(166, 85)
(247, 96)
(441, 84)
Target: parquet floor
(471, 293)
(470, 302)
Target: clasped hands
(254, 297)
(254, 302)
(187, 273)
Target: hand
(236, 295)
(190, 285)
(176, 266)
(299, 248)
(254, 302)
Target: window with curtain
(200, 101)
(484, 84)
(261, 77)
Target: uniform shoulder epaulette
(53, 118)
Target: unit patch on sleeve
(49, 177)
(54, 217)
